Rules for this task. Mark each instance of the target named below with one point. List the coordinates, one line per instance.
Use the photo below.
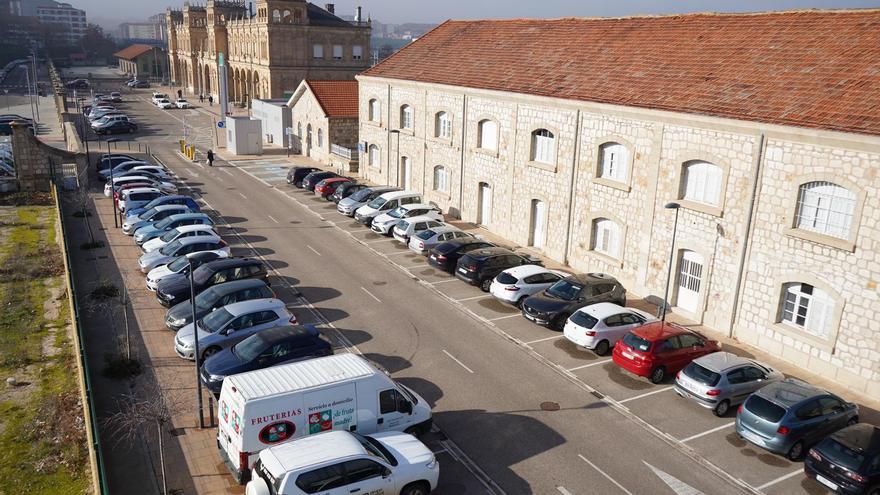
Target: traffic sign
(221, 124)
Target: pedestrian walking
(210, 100)
(201, 98)
(179, 94)
(210, 155)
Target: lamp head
(672, 206)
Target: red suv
(656, 350)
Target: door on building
(690, 279)
(405, 172)
(308, 140)
(484, 213)
(538, 231)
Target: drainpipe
(388, 133)
(463, 142)
(571, 187)
(756, 176)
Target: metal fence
(344, 152)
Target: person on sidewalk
(211, 100)
(179, 94)
(210, 155)
(201, 98)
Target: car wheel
(658, 375)
(559, 322)
(419, 488)
(485, 284)
(722, 408)
(519, 302)
(210, 351)
(796, 450)
(602, 348)
(853, 420)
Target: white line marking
(453, 279)
(226, 172)
(377, 241)
(678, 486)
(562, 490)
(371, 295)
(272, 218)
(603, 473)
(457, 361)
(707, 432)
(441, 451)
(401, 252)
(416, 266)
(594, 363)
(504, 317)
(242, 195)
(545, 339)
(316, 252)
(779, 479)
(473, 298)
(659, 390)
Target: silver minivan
(385, 203)
(720, 380)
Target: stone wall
(35, 161)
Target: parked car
(135, 198)
(445, 256)
(279, 345)
(180, 247)
(109, 119)
(117, 127)
(600, 326)
(384, 223)
(179, 267)
(480, 266)
(384, 203)
(661, 348)
(328, 186)
(310, 181)
(150, 231)
(216, 297)
(164, 104)
(157, 171)
(424, 241)
(98, 112)
(151, 216)
(104, 164)
(348, 206)
(789, 416)
(181, 103)
(181, 232)
(514, 285)
(120, 168)
(229, 325)
(296, 174)
(141, 84)
(721, 380)
(175, 199)
(157, 97)
(847, 461)
(122, 189)
(387, 462)
(407, 228)
(210, 274)
(346, 189)
(552, 307)
(116, 97)
(111, 187)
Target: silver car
(229, 325)
(180, 247)
(719, 380)
(349, 205)
(425, 240)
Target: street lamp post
(84, 131)
(110, 159)
(669, 206)
(197, 356)
(397, 163)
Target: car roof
(337, 179)
(421, 218)
(212, 255)
(722, 361)
(141, 189)
(442, 229)
(237, 285)
(789, 392)
(185, 216)
(527, 270)
(487, 252)
(243, 307)
(168, 207)
(591, 278)
(228, 262)
(658, 330)
(311, 450)
(190, 228)
(287, 332)
(129, 178)
(398, 194)
(198, 238)
(861, 437)
(413, 206)
(602, 310)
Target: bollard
(211, 410)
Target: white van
(385, 203)
(267, 407)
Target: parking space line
(272, 218)
(371, 295)
(707, 432)
(504, 317)
(416, 266)
(242, 195)
(457, 361)
(377, 241)
(664, 389)
(395, 254)
(594, 363)
(545, 339)
(313, 250)
(473, 298)
(453, 279)
(603, 473)
(562, 490)
(779, 479)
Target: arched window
(320, 137)
(286, 17)
(606, 237)
(442, 125)
(276, 16)
(297, 16)
(543, 146)
(487, 138)
(826, 208)
(374, 110)
(702, 182)
(808, 308)
(374, 155)
(613, 158)
(299, 129)
(406, 117)
(441, 179)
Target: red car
(327, 187)
(659, 349)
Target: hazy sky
(396, 11)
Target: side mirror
(406, 407)
(386, 473)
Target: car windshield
(178, 263)
(584, 320)
(170, 249)
(702, 375)
(170, 235)
(377, 203)
(207, 298)
(636, 342)
(565, 290)
(764, 409)
(375, 449)
(506, 278)
(841, 455)
(397, 212)
(164, 223)
(248, 349)
(202, 273)
(425, 234)
(361, 195)
(215, 320)
(150, 213)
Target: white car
(514, 285)
(384, 222)
(425, 240)
(137, 197)
(157, 170)
(121, 181)
(387, 462)
(179, 267)
(158, 96)
(412, 226)
(599, 326)
(164, 104)
(181, 103)
(180, 247)
(178, 233)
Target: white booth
(244, 136)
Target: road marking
(453, 279)
(377, 241)
(272, 218)
(371, 295)
(416, 266)
(707, 432)
(545, 339)
(457, 361)
(242, 195)
(473, 298)
(678, 486)
(562, 490)
(504, 317)
(441, 451)
(402, 252)
(603, 473)
(779, 479)
(319, 254)
(226, 172)
(664, 389)
(594, 363)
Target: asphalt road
(486, 386)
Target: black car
(118, 127)
(270, 347)
(311, 180)
(216, 297)
(345, 190)
(479, 266)
(552, 307)
(296, 175)
(171, 292)
(104, 163)
(847, 461)
(141, 84)
(445, 255)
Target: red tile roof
(818, 69)
(133, 52)
(337, 98)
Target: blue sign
(362, 147)
(221, 124)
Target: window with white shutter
(406, 117)
(488, 135)
(357, 52)
(443, 125)
(318, 51)
(374, 155)
(374, 110)
(808, 308)
(702, 182)
(613, 161)
(441, 180)
(825, 208)
(606, 237)
(543, 146)
(337, 52)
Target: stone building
(325, 122)
(764, 128)
(143, 61)
(268, 52)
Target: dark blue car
(176, 199)
(267, 348)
